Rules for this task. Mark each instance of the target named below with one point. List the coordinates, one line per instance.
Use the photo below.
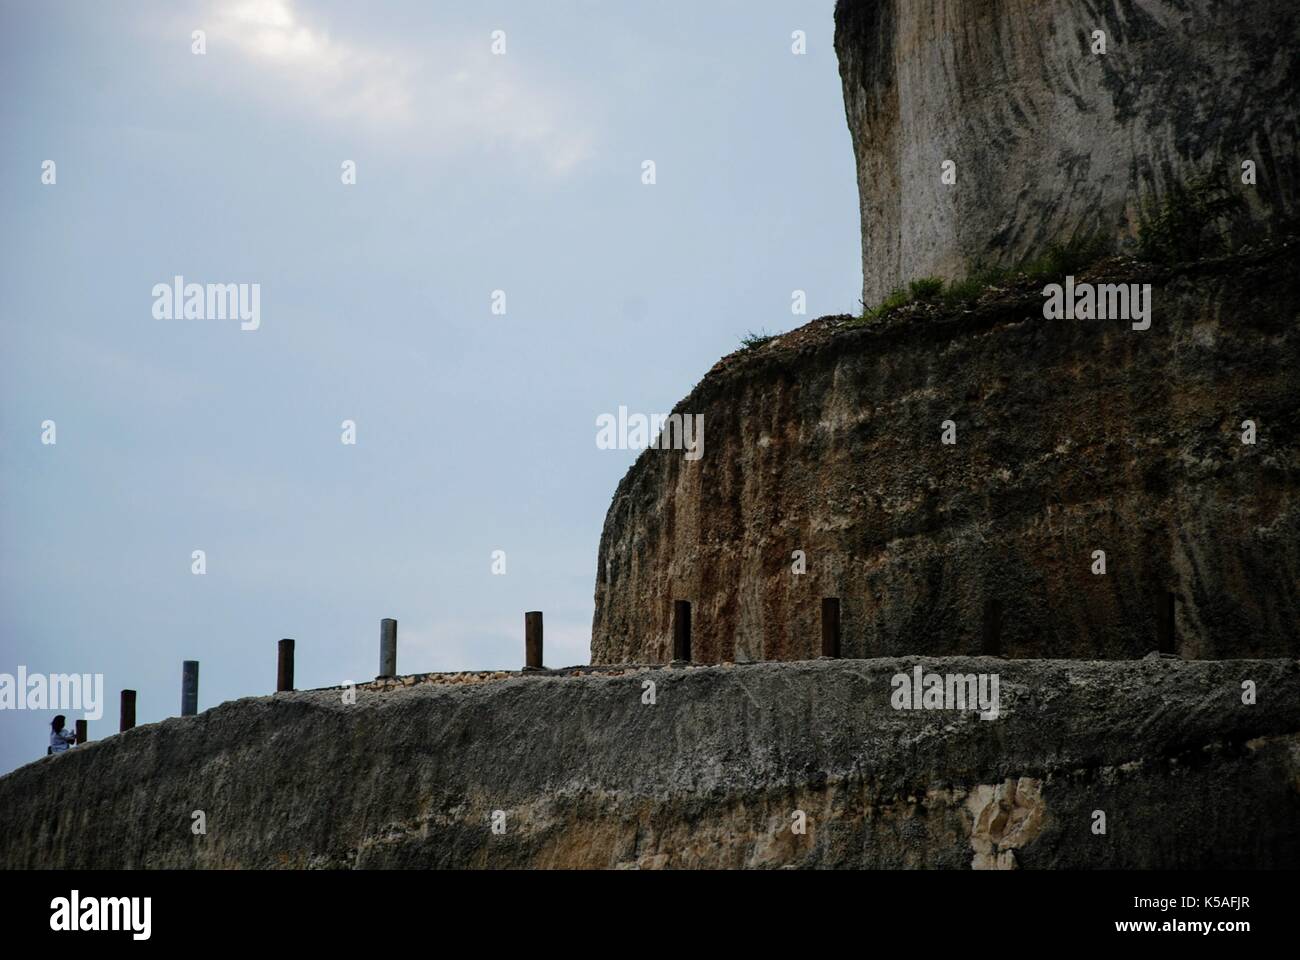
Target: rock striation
(990, 494)
(586, 772)
(1071, 437)
(1049, 139)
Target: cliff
(1072, 436)
(586, 773)
(1107, 492)
(1050, 140)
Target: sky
(520, 170)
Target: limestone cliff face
(1072, 436)
(1050, 139)
(586, 773)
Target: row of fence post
(533, 649)
(284, 669)
(830, 647)
(533, 642)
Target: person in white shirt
(60, 739)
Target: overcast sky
(475, 431)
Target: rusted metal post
(388, 647)
(682, 630)
(126, 715)
(533, 640)
(284, 667)
(831, 627)
(82, 735)
(189, 688)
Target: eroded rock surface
(1049, 139)
(709, 775)
(1072, 436)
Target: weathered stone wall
(709, 775)
(1072, 436)
(1049, 139)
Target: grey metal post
(533, 640)
(284, 667)
(126, 715)
(388, 647)
(189, 688)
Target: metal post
(831, 627)
(533, 640)
(189, 688)
(1166, 639)
(82, 735)
(388, 647)
(284, 667)
(126, 715)
(682, 630)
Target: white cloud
(453, 96)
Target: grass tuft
(926, 288)
(1190, 221)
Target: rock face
(1072, 436)
(1049, 139)
(1098, 501)
(713, 773)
